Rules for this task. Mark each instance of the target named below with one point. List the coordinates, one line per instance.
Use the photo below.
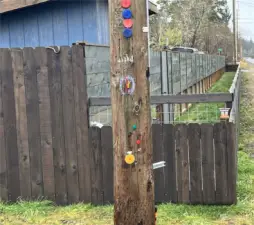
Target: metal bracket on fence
(159, 165)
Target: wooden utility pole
(234, 34)
(131, 113)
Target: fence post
(164, 85)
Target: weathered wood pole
(131, 113)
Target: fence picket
(32, 110)
(96, 165)
(70, 140)
(158, 155)
(195, 163)
(10, 130)
(231, 163)
(182, 163)
(55, 93)
(220, 145)
(47, 157)
(208, 163)
(80, 96)
(107, 164)
(170, 158)
(21, 117)
(3, 153)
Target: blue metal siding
(56, 23)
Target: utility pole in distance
(131, 113)
(234, 34)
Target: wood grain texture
(96, 165)
(32, 110)
(55, 92)
(208, 163)
(47, 157)
(134, 186)
(181, 132)
(170, 158)
(21, 116)
(10, 131)
(231, 163)
(220, 145)
(107, 164)
(70, 140)
(158, 155)
(81, 116)
(3, 156)
(195, 163)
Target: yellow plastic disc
(129, 159)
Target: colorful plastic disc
(129, 159)
(127, 33)
(128, 23)
(127, 14)
(125, 3)
(127, 85)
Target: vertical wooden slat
(21, 117)
(45, 123)
(169, 157)
(195, 163)
(182, 163)
(80, 93)
(107, 164)
(208, 163)
(158, 155)
(3, 157)
(33, 122)
(231, 163)
(70, 140)
(96, 165)
(220, 145)
(55, 91)
(10, 131)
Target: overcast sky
(246, 17)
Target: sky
(246, 17)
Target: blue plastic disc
(127, 14)
(127, 33)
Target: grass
(47, 213)
(208, 112)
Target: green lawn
(208, 112)
(242, 213)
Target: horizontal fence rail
(173, 99)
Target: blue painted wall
(56, 23)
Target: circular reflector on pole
(125, 3)
(127, 33)
(127, 14)
(128, 23)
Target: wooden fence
(200, 163)
(47, 149)
(43, 125)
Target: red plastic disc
(138, 142)
(128, 23)
(126, 3)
